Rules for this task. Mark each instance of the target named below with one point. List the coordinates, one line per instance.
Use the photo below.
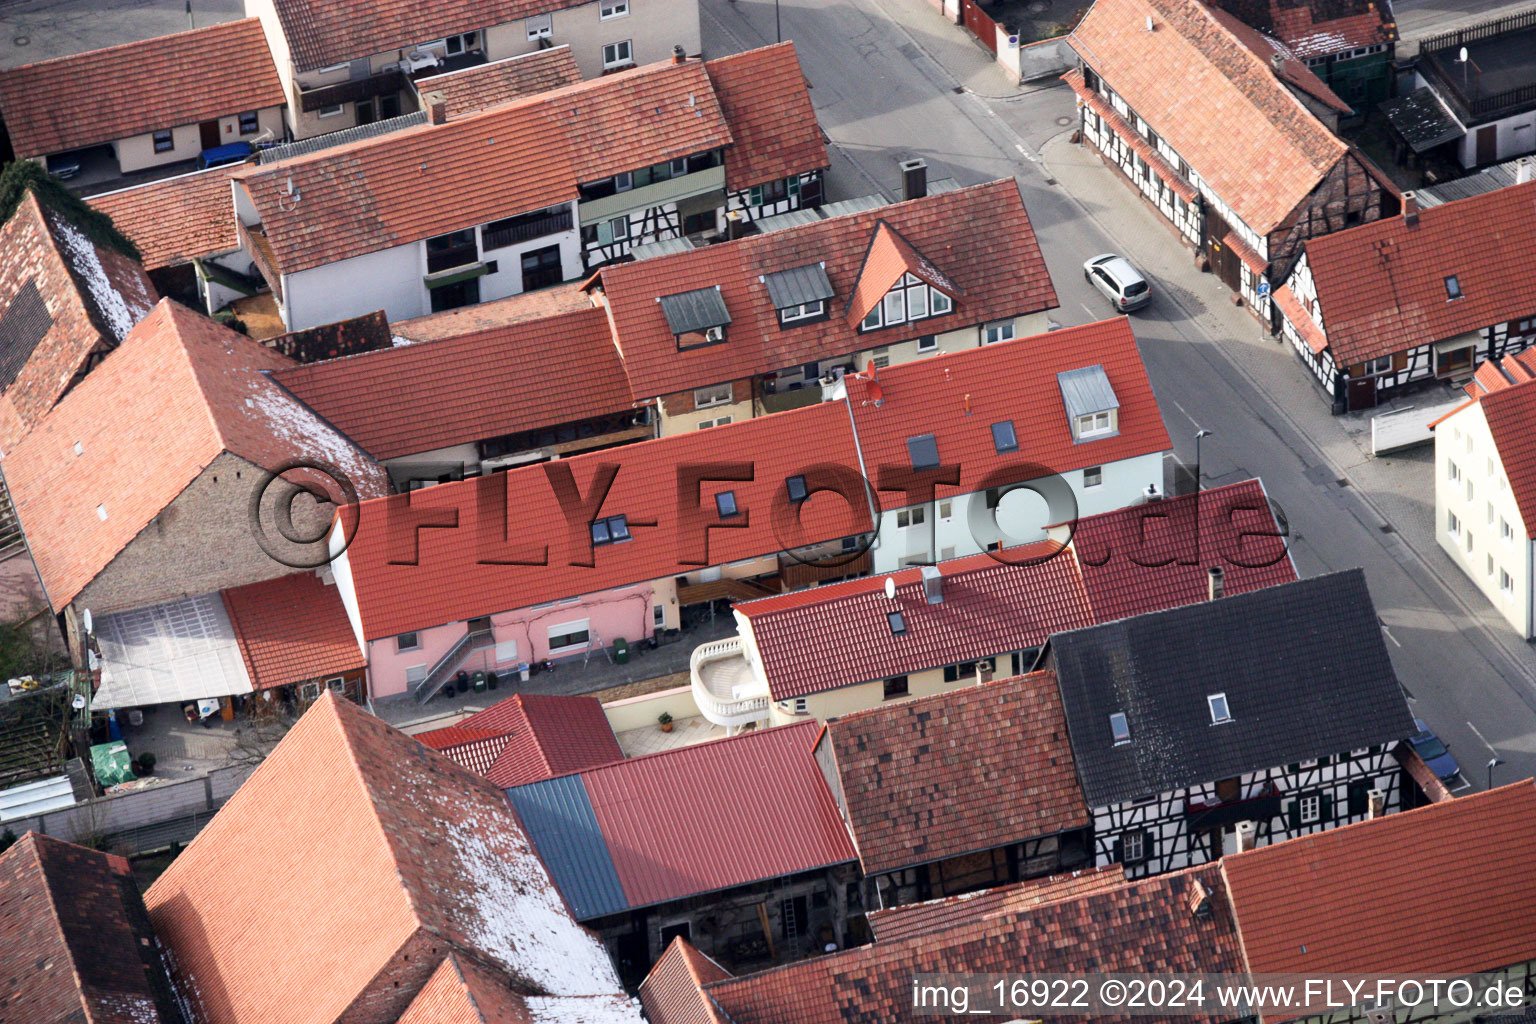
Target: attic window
(611, 530)
(101, 512)
(797, 491)
(1003, 437)
(1452, 288)
(1120, 728)
(924, 451)
(1220, 713)
(725, 504)
(898, 624)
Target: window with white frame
(617, 55)
(250, 124)
(1506, 532)
(1506, 583)
(1133, 847)
(464, 43)
(1452, 471)
(615, 230)
(336, 684)
(612, 9)
(407, 642)
(1452, 524)
(1377, 366)
(1001, 330)
(569, 635)
(1469, 489)
(1310, 807)
(332, 110)
(909, 517)
(540, 26)
(1094, 423)
(1488, 468)
(309, 691)
(718, 394)
(928, 343)
(165, 141)
(908, 300)
(804, 311)
(718, 421)
(1490, 567)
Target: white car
(1120, 282)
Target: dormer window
(1120, 728)
(1091, 406)
(799, 295)
(725, 504)
(1220, 713)
(696, 318)
(611, 530)
(909, 300)
(1452, 288)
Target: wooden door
(1362, 393)
(1487, 143)
(209, 132)
(1225, 263)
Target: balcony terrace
(726, 691)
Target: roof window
(725, 504)
(610, 530)
(1220, 713)
(1120, 728)
(898, 624)
(1003, 437)
(1452, 288)
(924, 451)
(797, 491)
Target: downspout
(1530, 606)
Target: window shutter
(1119, 854)
(1358, 798)
(1294, 815)
(1325, 808)
(1148, 845)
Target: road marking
(1187, 416)
(1464, 784)
(1085, 308)
(1026, 153)
(1480, 736)
(1394, 639)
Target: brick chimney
(1277, 60)
(437, 107)
(1199, 899)
(914, 178)
(735, 225)
(1410, 209)
(1216, 582)
(678, 53)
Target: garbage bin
(522, 671)
(620, 651)
(479, 682)
(492, 680)
(461, 680)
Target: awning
(175, 652)
(798, 286)
(691, 312)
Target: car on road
(1120, 282)
(1433, 752)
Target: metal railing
(526, 228)
(440, 673)
(1457, 38)
(10, 526)
(727, 710)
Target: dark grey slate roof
(1303, 666)
(1086, 390)
(1422, 120)
(798, 285)
(24, 324)
(688, 312)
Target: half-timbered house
(1217, 726)
(1409, 300)
(1225, 132)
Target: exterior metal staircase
(443, 671)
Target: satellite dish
(1462, 56)
(78, 702)
(86, 619)
(890, 587)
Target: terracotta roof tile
(77, 914)
(64, 303)
(199, 390)
(1300, 318)
(486, 316)
(980, 238)
(486, 85)
(1317, 28)
(540, 735)
(764, 95)
(1338, 900)
(1214, 99)
(891, 256)
(1142, 148)
(1141, 927)
(468, 388)
(1382, 286)
(924, 780)
(374, 844)
(292, 629)
(1291, 69)
(1511, 415)
(673, 993)
(895, 923)
(176, 220)
(105, 95)
(462, 992)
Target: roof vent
(79, 448)
(1277, 60)
(1151, 493)
(1525, 170)
(914, 178)
(933, 584)
(1150, 26)
(101, 512)
(1410, 209)
(1216, 581)
(678, 53)
(1199, 899)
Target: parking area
(34, 30)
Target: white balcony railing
(726, 691)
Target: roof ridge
(54, 917)
(771, 731)
(975, 690)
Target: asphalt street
(892, 80)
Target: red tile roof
(480, 385)
(895, 923)
(789, 826)
(673, 993)
(956, 773)
(1292, 69)
(529, 737)
(199, 390)
(133, 88)
(1317, 28)
(1511, 415)
(980, 238)
(957, 396)
(838, 635)
(1141, 927)
(462, 992)
(370, 843)
(889, 258)
(486, 85)
(1338, 900)
(73, 302)
(1140, 146)
(409, 579)
(1300, 318)
(1154, 556)
(1382, 285)
(176, 220)
(75, 941)
(764, 95)
(292, 629)
(514, 309)
(1214, 99)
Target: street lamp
(1493, 762)
(1198, 435)
(778, 33)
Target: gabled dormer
(1093, 411)
(898, 285)
(696, 318)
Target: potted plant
(147, 763)
(665, 718)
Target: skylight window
(1120, 728)
(610, 530)
(924, 451)
(898, 624)
(797, 491)
(1219, 711)
(725, 504)
(1452, 288)
(1003, 437)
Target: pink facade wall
(611, 614)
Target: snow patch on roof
(616, 1009)
(119, 310)
(307, 433)
(129, 1008)
(399, 342)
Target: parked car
(1433, 752)
(1120, 282)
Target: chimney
(735, 225)
(437, 107)
(1277, 60)
(1247, 836)
(1216, 581)
(1410, 209)
(1199, 899)
(933, 584)
(1376, 806)
(679, 54)
(914, 178)
(1525, 170)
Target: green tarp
(111, 763)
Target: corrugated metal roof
(304, 147)
(36, 798)
(798, 218)
(172, 652)
(798, 286)
(693, 311)
(661, 247)
(560, 821)
(1489, 179)
(1086, 390)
